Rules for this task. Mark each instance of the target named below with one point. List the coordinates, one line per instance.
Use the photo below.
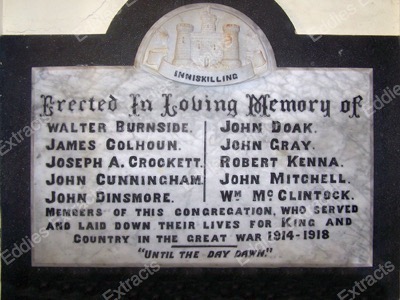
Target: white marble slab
(345, 142)
(204, 154)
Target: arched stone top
(206, 40)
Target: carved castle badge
(206, 44)
(207, 48)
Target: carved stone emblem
(206, 44)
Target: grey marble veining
(318, 96)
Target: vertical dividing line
(205, 162)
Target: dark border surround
(18, 54)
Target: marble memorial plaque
(202, 154)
